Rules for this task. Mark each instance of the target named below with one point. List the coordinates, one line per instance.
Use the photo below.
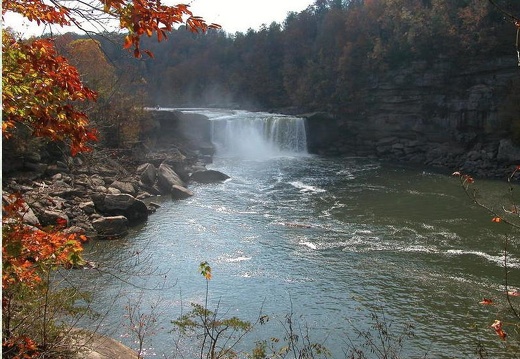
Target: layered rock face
(440, 114)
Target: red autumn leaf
(61, 222)
(497, 325)
(128, 42)
(486, 301)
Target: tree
(118, 114)
(29, 255)
(40, 87)
(82, 53)
(41, 96)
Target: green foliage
(296, 343)
(218, 336)
(205, 270)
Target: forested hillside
(429, 72)
(321, 57)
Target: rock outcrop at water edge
(208, 176)
(98, 196)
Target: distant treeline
(318, 59)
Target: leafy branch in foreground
(31, 304)
(39, 92)
(382, 340)
(219, 336)
(508, 213)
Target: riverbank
(104, 193)
(95, 346)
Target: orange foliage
(141, 17)
(39, 11)
(28, 252)
(138, 17)
(39, 86)
(39, 89)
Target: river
(332, 241)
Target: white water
(255, 135)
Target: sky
(232, 15)
(240, 15)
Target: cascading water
(258, 135)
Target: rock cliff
(440, 113)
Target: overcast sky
(240, 15)
(232, 15)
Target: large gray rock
(179, 192)
(121, 204)
(167, 178)
(28, 216)
(208, 176)
(87, 207)
(52, 218)
(64, 190)
(124, 187)
(111, 227)
(147, 174)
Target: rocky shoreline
(103, 193)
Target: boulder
(51, 218)
(147, 174)
(179, 192)
(87, 207)
(64, 190)
(167, 178)
(112, 190)
(124, 204)
(124, 187)
(111, 227)
(28, 216)
(208, 176)
(120, 204)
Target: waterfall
(258, 135)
